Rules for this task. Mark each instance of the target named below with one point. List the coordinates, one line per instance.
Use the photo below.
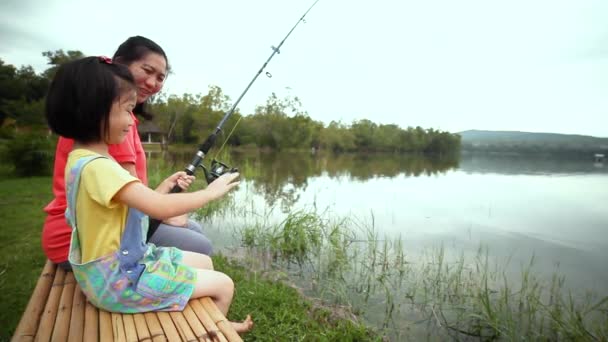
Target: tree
(8, 89)
(337, 138)
(57, 58)
(364, 131)
(21, 95)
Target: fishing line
(275, 50)
(217, 168)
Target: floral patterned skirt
(165, 284)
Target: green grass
(279, 312)
(21, 257)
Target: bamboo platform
(59, 311)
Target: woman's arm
(129, 167)
(180, 178)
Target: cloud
(442, 64)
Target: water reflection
(547, 207)
(549, 203)
(295, 167)
(282, 175)
(515, 164)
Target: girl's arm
(163, 206)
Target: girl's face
(149, 73)
(120, 118)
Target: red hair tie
(105, 59)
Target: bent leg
(216, 285)
(195, 226)
(182, 238)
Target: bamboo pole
(78, 317)
(197, 327)
(168, 327)
(182, 326)
(105, 327)
(47, 320)
(156, 330)
(140, 326)
(26, 329)
(130, 331)
(91, 323)
(58, 309)
(118, 328)
(219, 319)
(64, 310)
(208, 323)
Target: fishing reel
(216, 170)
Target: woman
(149, 65)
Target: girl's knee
(226, 287)
(214, 284)
(229, 283)
(224, 283)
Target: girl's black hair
(81, 95)
(132, 50)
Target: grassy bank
(280, 313)
(419, 296)
(21, 257)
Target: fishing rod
(217, 168)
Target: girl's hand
(222, 185)
(181, 178)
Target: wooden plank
(64, 310)
(47, 320)
(196, 326)
(91, 323)
(221, 321)
(168, 327)
(156, 330)
(28, 325)
(141, 327)
(182, 326)
(212, 329)
(118, 327)
(77, 318)
(130, 331)
(105, 327)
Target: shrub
(30, 153)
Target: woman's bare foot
(244, 326)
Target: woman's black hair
(81, 95)
(132, 50)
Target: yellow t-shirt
(100, 220)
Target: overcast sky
(529, 65)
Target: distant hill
(531, 142)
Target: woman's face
(149, 73)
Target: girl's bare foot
(244, 326)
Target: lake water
(518, 207)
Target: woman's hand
(180, 178)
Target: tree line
(280, 123)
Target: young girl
(90, 100)
(149, 66)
